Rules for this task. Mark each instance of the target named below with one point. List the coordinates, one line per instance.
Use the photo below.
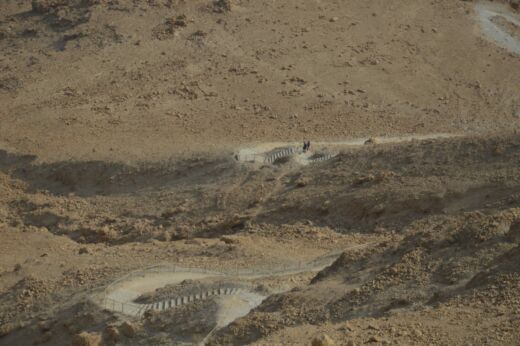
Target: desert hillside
(155, 188)
(133, 79)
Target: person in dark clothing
(306, 146)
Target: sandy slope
(119, 125)
(130, 80)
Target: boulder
(322, 340)
(112, 334)
(371, 140)
(6, 329)
(86, 339)
(128, 329)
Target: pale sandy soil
(125, 132)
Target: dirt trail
(259, 152)
(486, 12)
(121, 294)
(233, 307)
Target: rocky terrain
(441, 218)
(122, 138)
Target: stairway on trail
(136, 309)
(272, 156)
(321, 158)
(277, 154)
(120, 296)
(178, 301)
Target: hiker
(304, 146)
(308, 145)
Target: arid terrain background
(149, 152)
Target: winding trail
(120, 296)
(486, 12)
(233, 301)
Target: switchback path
(320, 150)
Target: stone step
(174, 302)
